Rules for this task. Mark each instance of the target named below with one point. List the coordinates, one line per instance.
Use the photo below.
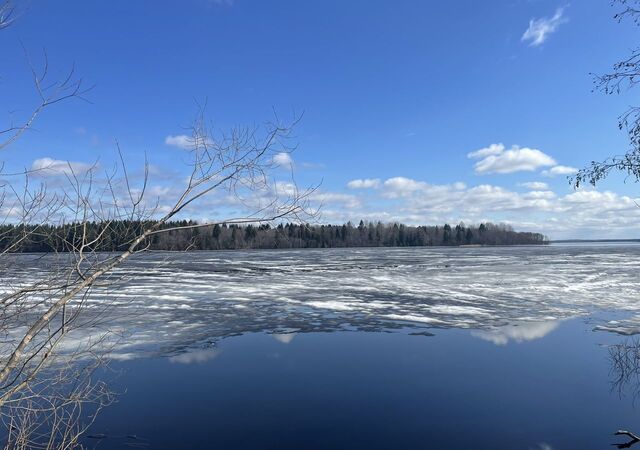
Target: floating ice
(171, 303)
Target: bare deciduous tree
(48, 394)
(624, 76)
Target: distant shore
(578, 241)
(188, 235)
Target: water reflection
(542, 446)
(195, 356)
(380, 390)
(625, 367)
(285, 338)
(518, 332)
(624, 359)
(633, 439)
(563, 373)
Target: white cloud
(540, 194)
(186, 142)
(584, 213)
(283, 159)
(181, 141)
(332, 199)
(50, 167)
(486, 197)
(559, 170)
(285, 188)
(402, 186)
(459, 185)
(365, 183)
(540, 29)
(493, 149)
(606, 200)
(495, 159)
(535, 185)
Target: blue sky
(417, 111)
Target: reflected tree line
(189, 235)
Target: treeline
(184, 235)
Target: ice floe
(168, 303)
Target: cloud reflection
(517, 332)
(285, 338)
(542, 446)
(195, 356)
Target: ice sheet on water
(166, 303)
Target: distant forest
(185, 235)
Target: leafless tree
(50, 341)
(7, 12)
(624, 76)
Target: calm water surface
(490, 348)
(345, 390)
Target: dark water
(458, 389)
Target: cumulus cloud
(559, 170)
(606, 199)
(486, 197)
(285, 188)
(495, 159)
(540, 194)
(402, 186)
(364, 183)
(51, 167)
(583, 213)
(459, 185)
(493, 149)
(283, 159)
(181, 141)
(539, 30)
(317, 197)
(535, 185)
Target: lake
(403, 348)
